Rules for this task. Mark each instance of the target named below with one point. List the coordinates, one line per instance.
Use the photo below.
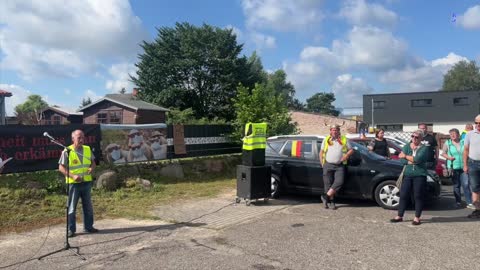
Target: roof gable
(129, 101)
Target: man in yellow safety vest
(334, 154)
(77, 164)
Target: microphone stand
(67, 246)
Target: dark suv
(369, 176)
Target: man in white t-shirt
(471, 164)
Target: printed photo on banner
(134, 145)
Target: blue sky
(69, 50)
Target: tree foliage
(194, 67)
(463, 76)
(86, 101)
(29, 112)
(187, 117)
(262, 104)
(322, 103)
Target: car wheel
(275, 186)
(387, 195)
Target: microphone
(48, 135)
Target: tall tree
(278, 80)
(322, 103)
(193, 67)
(262, 104)
(463, 76)
(29, 112)
(86, 101)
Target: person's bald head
(477, 122)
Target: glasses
(415, 137)
(477, 123)
(135, 147)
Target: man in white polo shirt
(471, 153)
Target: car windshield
(364, 151)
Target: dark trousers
(417, 185)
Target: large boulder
(108, 180)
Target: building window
(379, 104)
(56, 119)
(115, 117)
(422, 102)
(391, 127)
(460, 101)
(102, 118)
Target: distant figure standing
(432, 147)
(379, 144)
(468, 128)
(453, 153)
(471, 165)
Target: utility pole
(373, 123)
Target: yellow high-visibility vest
(77, 167)
(257, 139)
(343, 140)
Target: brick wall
(311, 123)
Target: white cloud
(89, 93)
(349, 91)
(471, 18)
(263, 41)
(365, 49)
(427, 77)
(120, 74)
(66, 38)
(19, 96)
(282, 15)
(360, 13)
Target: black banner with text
(30, 150)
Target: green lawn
(24, 209)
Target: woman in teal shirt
(414, 157)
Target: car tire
(275, 186)
(387, 195)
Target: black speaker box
(253, 182)
(254, 157)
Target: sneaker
(92, 230)
(70, 234)
(474, 214)
(471, 206)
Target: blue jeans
(460, 180)
(418, 184)
(474, 174)
(75, 192)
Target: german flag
(297, 149)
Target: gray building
(440, 110)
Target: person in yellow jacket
(80, 162)
(334, 154)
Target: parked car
(369, 176)
(395, 149)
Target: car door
(358, 173)
(300, 158)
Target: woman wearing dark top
(414, 156)
(379, 145)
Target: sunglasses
(135, 148)
(477, 123)
(415, 137)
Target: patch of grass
(25, 209)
